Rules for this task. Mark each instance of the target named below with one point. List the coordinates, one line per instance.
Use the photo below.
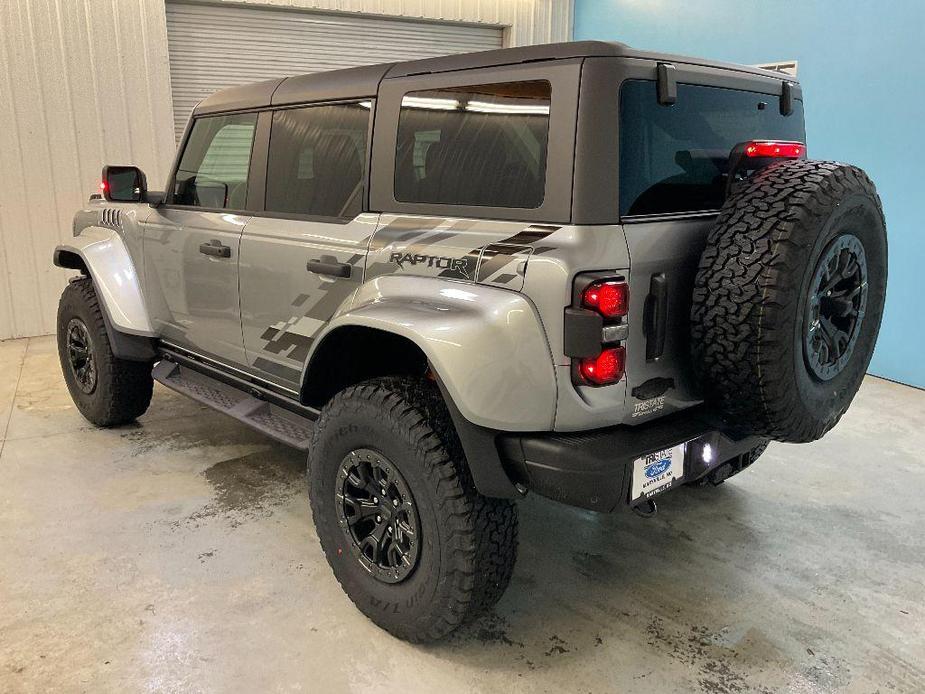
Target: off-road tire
(731, 468)
(469, 542)
(751, 293)
(122, 391)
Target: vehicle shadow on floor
(589, 584)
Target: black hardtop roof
(363, 82)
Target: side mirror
(124, 184)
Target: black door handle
(334, 269)
(655, 319)
(215, 248)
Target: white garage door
(215, 46)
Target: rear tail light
(596, 329)
(774, 149)
(610, 298)
(607, 367)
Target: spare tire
(788, 298)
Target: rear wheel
(108, 391)
(410, 540)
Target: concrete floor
(178, 555)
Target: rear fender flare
(486, 345)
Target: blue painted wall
(862, 67)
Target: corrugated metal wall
(83, 82)
(205, 45)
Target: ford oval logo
(658, 467)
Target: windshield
(674, 158)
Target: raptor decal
(469, 250)
(457, 265)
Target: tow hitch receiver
(645, 509)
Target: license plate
(657, 472)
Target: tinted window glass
(317, 159)
(479, 145)
(214, 166)
(674, 158)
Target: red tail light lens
(777, 150)
(610, 298)
(607, 367)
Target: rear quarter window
(674, 158)
(480, 145)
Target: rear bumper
(593, 469)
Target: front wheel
(107, 391)
(410, 540)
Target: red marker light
(610, 298)
(607, 367)
(103, 186)
(776, 150)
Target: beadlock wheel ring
(377, 514)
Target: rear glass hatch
(674, 158)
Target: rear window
(482, 145)
(675, 158)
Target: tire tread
(124, 388)
(479, 533)
(746, 292)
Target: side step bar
(277, 422)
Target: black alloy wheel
(835, 307)
(80, 355)
(410, 539)
(377, 513)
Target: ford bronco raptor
(579, 269)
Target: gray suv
(579, 270)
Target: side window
(214, 166)
(317, 160)
(482, 145)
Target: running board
(276, 422)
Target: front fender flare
(117, 285)
(487, 345)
